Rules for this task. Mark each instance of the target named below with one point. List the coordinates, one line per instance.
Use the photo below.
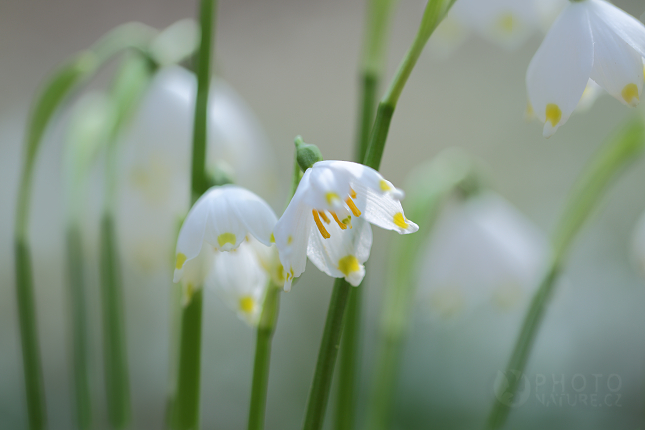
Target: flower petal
(342, 255)
(254, 213)
(626, 27)
(365, 175)
(617, 67)
(240, 280)
(382, 210)
(191, 234)
(559, 71)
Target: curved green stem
(319, 394)
(623, 148)
(67, 79)
(265, 331)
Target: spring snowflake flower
(329, 219)
(591, 39)
(220, 220)
(483, 254)
(507, 23)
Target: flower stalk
(622, 149)
(319, 394)
(266, 328)
(185, 402)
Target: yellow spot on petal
(507, 23)
(553, 114)
(319, 224)
(181, 259)
(332, 197)
(272, 238)
(630, 94)
(247, 304)
(399, 220)
(384, 185)
(348, 264)
(289, 240)
(225, 238)
(447, 302)
(352, 207)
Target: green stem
(372, 68)
(185, 414)
(622, 149)
(185, 403)
(319, 394)
(114, 347)
(434, 12)
(266, 328)
(67, 79)
(199, 178)
(29, 337)
(78, 321)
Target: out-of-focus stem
(622, 149)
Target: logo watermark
(593, 390)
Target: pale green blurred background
(296, 63)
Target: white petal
(224, 229)
(240, 280)
(254, 213)
(365, 175)
(382, 210)
(291, 234)
(589, 96)
(193, 273)
(191, 234)
(628, 28)
(559, 71)
(617, 67)
(328, 187)
(342, 255)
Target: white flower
(241, 280)
(328, 220)
(591, 39)
(155, 161)
(507, 23)
(483, 252)
(222, 218)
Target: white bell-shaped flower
(223, 217)
(507, 23)
(155, 161)
(591, 39)
(328, 220)
(240, 278)
(482, 252)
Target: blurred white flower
(482, 252)
(241, 279)
(344, 190)
(507, 23)
(591, 39)
(223, 218)
(589, 96)
(155, 161)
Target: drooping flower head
(328, 220)
(591, 39)
(222, 219)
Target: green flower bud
(306, 154)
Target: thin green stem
(29, 337)
(627, 145)
(434, 12)
(185, 407)
(265, 331)
(114, 346)
(199, 178)
(319, 394)
(185, 414)
(78, 321)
